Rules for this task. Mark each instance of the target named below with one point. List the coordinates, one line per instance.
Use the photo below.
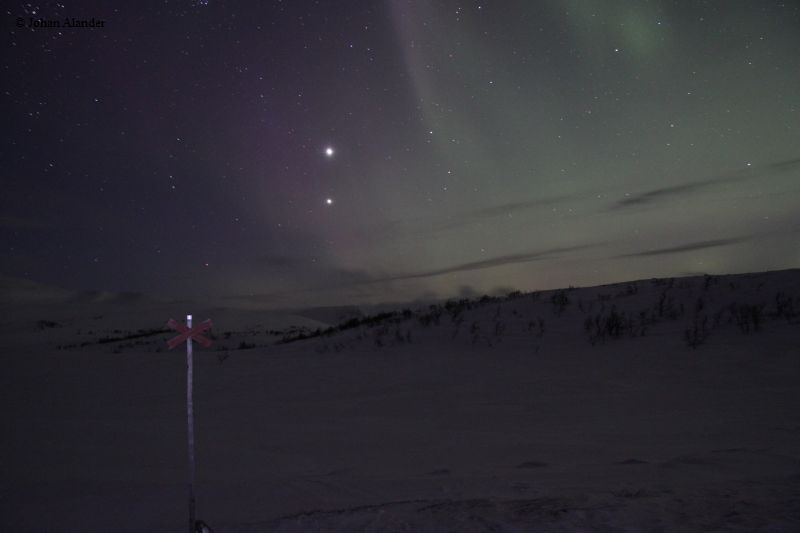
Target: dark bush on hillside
(560, 301)
(613, 325)
(696, 334)
(786, 306)
(748, 317)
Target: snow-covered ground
(657, 405)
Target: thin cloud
(487, 263)
(783, 166)
(344, 279)
(314, 278)
(689, 247)
(515, 207)
(478, 215)
(322, 268)
(657, 194)
(475, 216)
(691, 188)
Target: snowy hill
(665, 404)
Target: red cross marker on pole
(188, 333)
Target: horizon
(263, 302)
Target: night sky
(312, 153)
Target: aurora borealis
(327, 152)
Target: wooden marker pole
(187, 333)
(190, 423)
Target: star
(329, 151)
(329, 201)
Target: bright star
(329, 151)
(329, 201)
